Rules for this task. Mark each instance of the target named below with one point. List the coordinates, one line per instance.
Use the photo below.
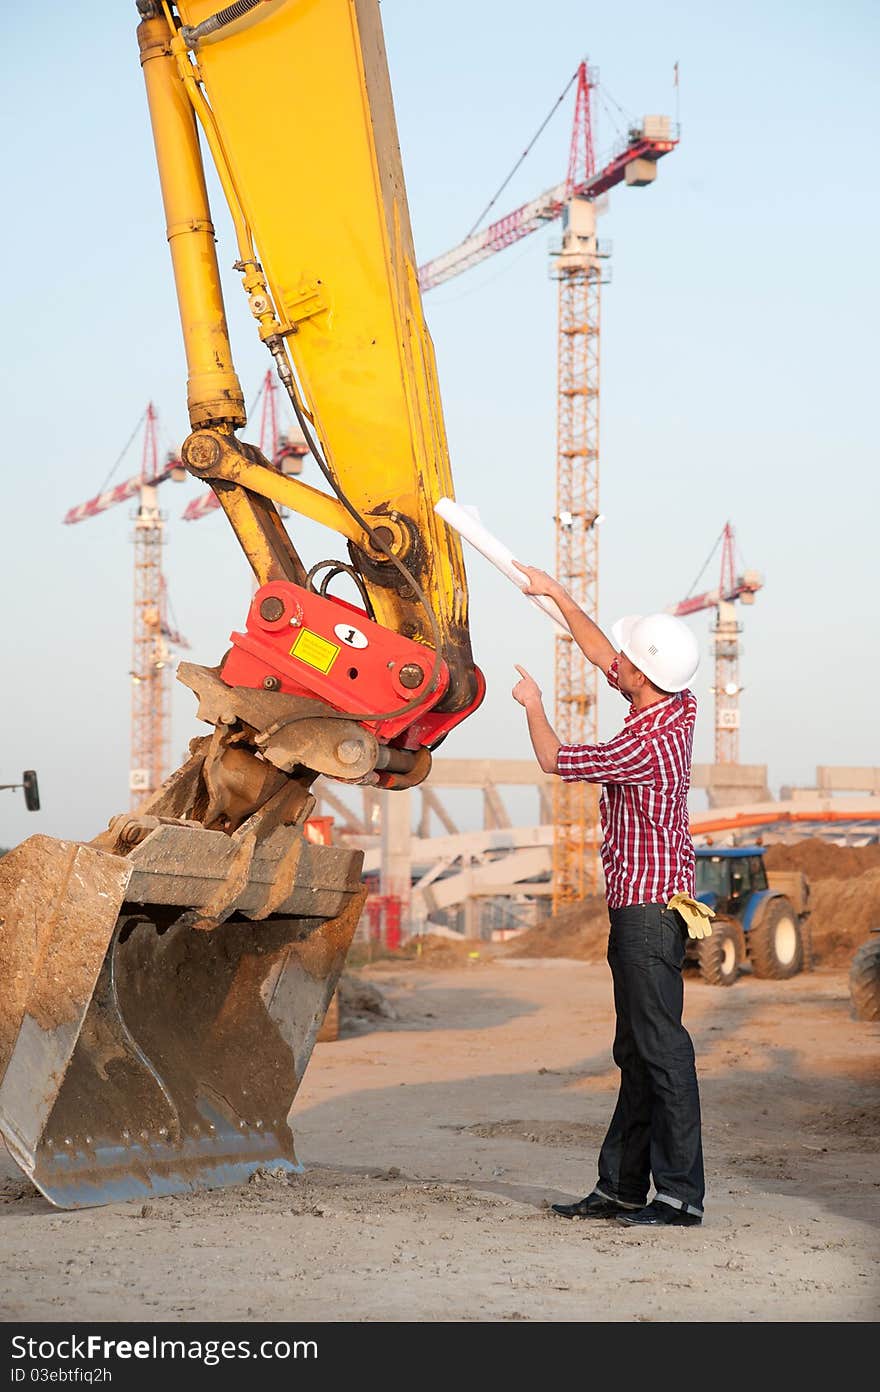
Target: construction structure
(152, 632)
(726, 630)
(578, 268)
(498, 879)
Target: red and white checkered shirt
(647, 853)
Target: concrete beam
(477, 773)
(494, 811)
(431, 803)
(728, 784)
(840, 778)
(425, 851)
(730, 775)
(486, 879)
(395, 871)
(509, 891)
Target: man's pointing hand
(527, 690)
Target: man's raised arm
(589, 637)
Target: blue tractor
(760, 917)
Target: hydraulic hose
(193, 34)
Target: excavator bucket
(149, 1043)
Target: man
(648, 859)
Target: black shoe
(593, 1206)
(660, 1215)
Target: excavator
(162, 985)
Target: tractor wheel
(776, 947)
(864, 982)
(719, 956)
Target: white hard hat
(661, 646)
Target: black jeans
(655, 1129)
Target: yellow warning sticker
(315, 650)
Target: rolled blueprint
(466, 522)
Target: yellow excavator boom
(162, 985)
(294, 104)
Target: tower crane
(725, 640)
(152, 633)
(633, 161)
(578, 269)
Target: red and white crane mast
(151, 631)
(578, 270)
(726, 630)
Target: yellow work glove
(695, 915)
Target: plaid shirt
(647, 853)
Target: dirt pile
(580, 931)
(822, 860)
(844, 904)
(842, 914)
(844, 894)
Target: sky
(738, 363)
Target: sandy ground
(433, 1144)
